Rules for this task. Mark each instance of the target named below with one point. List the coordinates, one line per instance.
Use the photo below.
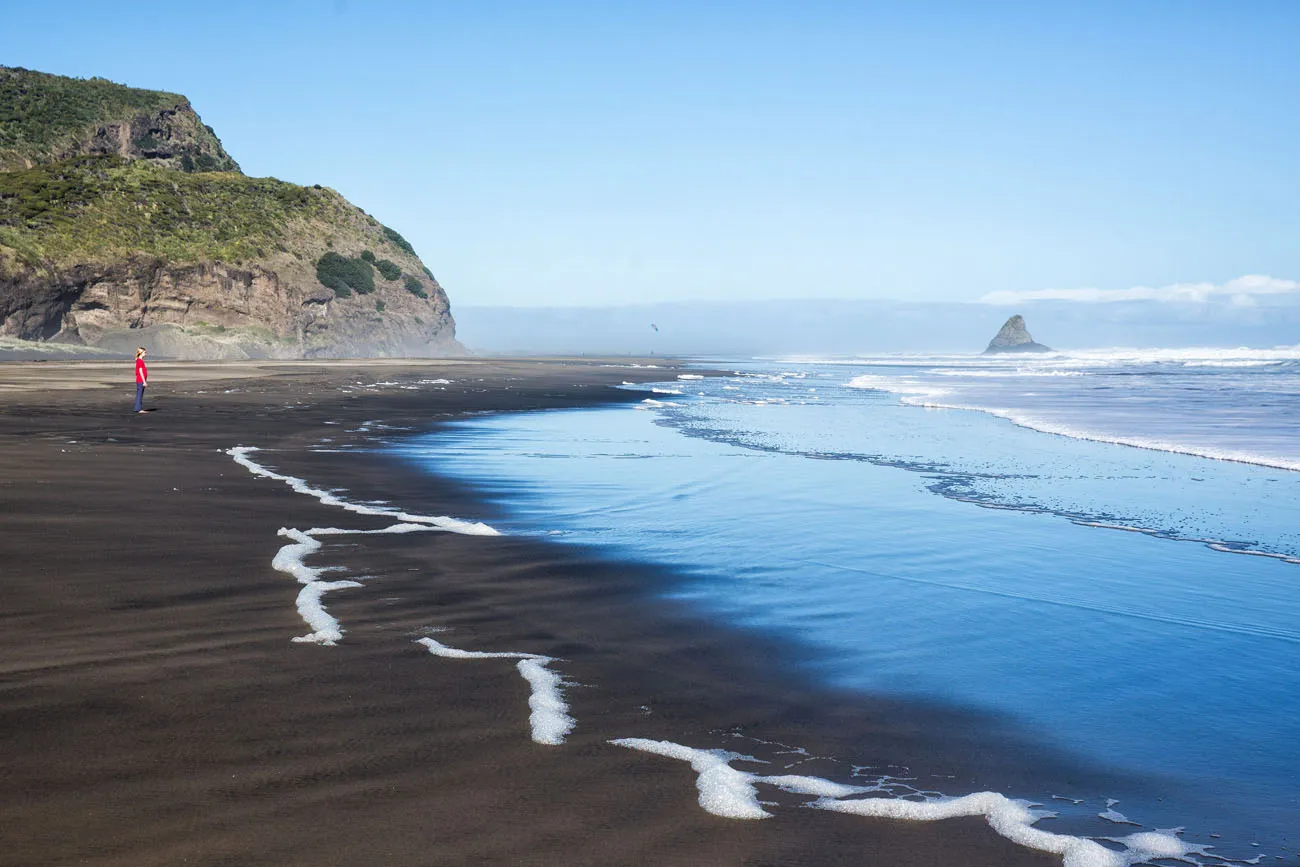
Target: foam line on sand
(291, 558)
(732, 793)
(549, 716)
(325, 628)
(329, 498)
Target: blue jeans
(139, 396)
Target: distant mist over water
(850, 327)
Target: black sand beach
(155, 712)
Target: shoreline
(159, 710)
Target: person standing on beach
(141, 378)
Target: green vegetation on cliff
(45, 118)
(402, 243)
(94, 209)
(345, 275)
(103, 209)
(38, 111)
(415, 287)
(387, 268)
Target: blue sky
(615, 153)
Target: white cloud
(1241, 291)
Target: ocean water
(1102, 548)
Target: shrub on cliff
(38, 198)
(415, 287)
(205, 163)
(402, 243)
(345, 275)
(388, 269)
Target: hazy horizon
(846, 327)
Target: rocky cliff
(1014, 337)
(47, 118)
(123, 220)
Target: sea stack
(1014, 337)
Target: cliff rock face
(1014, 337)
(123, 221)
(173, 137)
(215, 311)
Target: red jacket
(141, 372)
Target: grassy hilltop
(45, 118)
(120, 210)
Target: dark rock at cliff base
(1014, 337)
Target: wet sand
(155, 710)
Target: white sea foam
(1196, 354)
(731, 793)
(394, 530)
(1165, 844)
(329, 498)
(325, 628)
(1231, 364)
(291, 558)
(1032, 422)
(1010, 818)
(1228, 549)
(1118, 356)
(975, 373)
(1110, 814)
(689, 376)
(1016, 821)
(437, 648)
(549, 718)
(549, 714)
(928, 396)
(893, 385)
